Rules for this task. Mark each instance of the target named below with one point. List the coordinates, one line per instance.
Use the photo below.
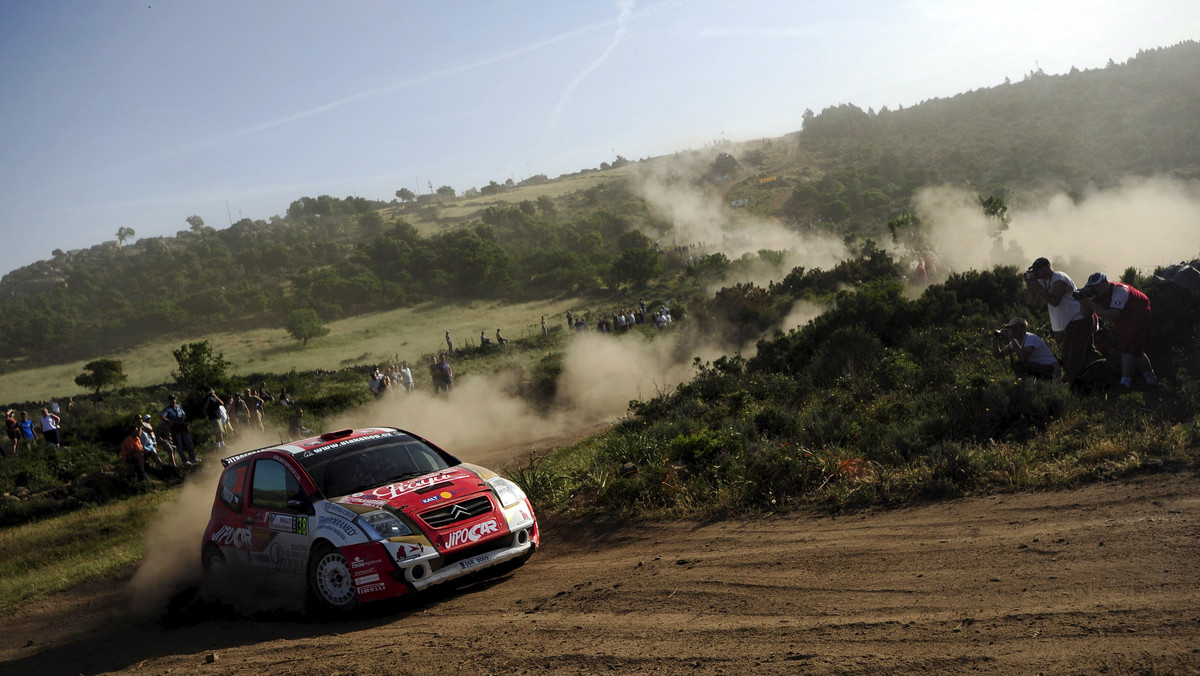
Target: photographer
(1033, 356)
(1129, 309)
(1072, 330)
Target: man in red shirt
(1129, 309)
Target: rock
(210, 658)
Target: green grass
(380, 337)
(49, 556)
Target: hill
(848, 174)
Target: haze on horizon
(139, 114)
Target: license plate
(474, 561)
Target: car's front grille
(459, 511)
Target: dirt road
(1105, 578)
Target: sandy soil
(1101, 579)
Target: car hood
(412, 494)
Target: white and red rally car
(361, 515)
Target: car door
(279, 511)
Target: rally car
(360, 515)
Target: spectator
(212, 409)
(1033, 356)
(1072, 330)
(284, 401)
(500, 340)
(133, 453)
(255, 404)
(163, 438)
(544, 329)
(26, 427)
(296, 428)
(241, 411)
(406, 376)
(447, 373)
(385, 387)
(1129, 309)
(449, 345)
(12, 427)
(373, 381)
(181, 436)
(54, 408)
(148, 438)
(50, 428)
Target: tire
(212, 561)
(330, 583)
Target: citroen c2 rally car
(360, 515)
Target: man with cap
(175, 416)
(1072, 330)
(1034, 357)
(1129, 309)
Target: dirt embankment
(1104, 578)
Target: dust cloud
(484, 418)
(702, 216)
(1141, 223)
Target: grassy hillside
(376, 338)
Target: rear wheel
(330, 584)
(213, 561)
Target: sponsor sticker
(365, 579)
(230, 537)
(287, 523)
(370, 589)
(333, 523)
(358, 562)
(293, 558)
(393, 491)
(472, 534)
(334, 509)
(360, 499)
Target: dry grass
(51, 555)
(368, 339)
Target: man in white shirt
(1072, 329)
(1033, 356)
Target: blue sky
(138, 114)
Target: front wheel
(330, 584)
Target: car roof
(323, 442)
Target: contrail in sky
(623, 17)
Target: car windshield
(376, 462)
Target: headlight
(383, 525)
(508, 492)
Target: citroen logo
(458, 512)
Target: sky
(139, 114)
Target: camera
(1085, 293)
(1030, 276)
(1000, 333)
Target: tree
(405, 195)
(446, 191)
(996, 209)
(635, 267)
(101, 374)
(199, 367)
(371, 223)
(304, 325)
(123, 234)
(196, 223)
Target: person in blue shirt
(175, 416)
